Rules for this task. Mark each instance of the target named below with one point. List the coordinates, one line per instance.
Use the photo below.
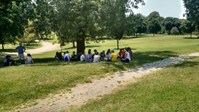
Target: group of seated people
(124, 55)
(8, 61)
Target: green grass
(20, 84)
(174, 89)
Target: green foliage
(44, 17)
(169, 24)
(153, 15)
(14, 15)
(136, 24)
(187, 27)
(192, 11)
(154, 26)
(114, 17)
(175, 31)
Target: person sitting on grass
(130, 52)
(8, 61)
(66, 56)
(89, 56)
(127, 57)
(82, 57)
(102, 56)
(29, 59)
(121, 54)
(108, 53)
(113, 56)
(96, 58)
(73, 56)
(58, 56)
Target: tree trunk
(191, 34)
(118, 47)
(2, 46)
(73, 44)
(80, 45)
(179, 30)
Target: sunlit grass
(19, 84)
(172, 89)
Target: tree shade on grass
(20, 84)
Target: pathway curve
(46, 47)
(82, 93)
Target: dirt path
(82, 93)
(46, 47)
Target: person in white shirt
(127, 57)
(29, 59)
(82, 57)
(96, 57)
(66, 56)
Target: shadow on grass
(8, 50)
(187, 64)
(139, 59)
(191, 38)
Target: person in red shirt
(121, 54)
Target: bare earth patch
(82, 93)
(46, 47)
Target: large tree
(154, 26)
(14, 15)
(136, 24)
(187, 27)
(169, 23)
(78, 20)
(192, 11)
(115, 17)
(44, 17)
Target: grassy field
(20, 84)
(174, 89)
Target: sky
(166, 8)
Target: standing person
(29, 59)
(20, 49)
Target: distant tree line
(82, 20)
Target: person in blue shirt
(20, 49)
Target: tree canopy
(14, 16)
(192, 11)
